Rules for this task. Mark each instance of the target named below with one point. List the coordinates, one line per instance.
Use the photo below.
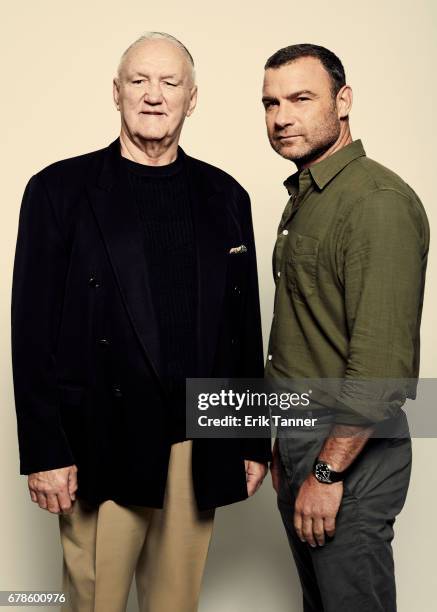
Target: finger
(52, 503)
(64, 502)
(256, 480)
(307, 531)
(42, 500)
(72, 484)
(33, 495)
(298, 525)
(319, 531)
(251, 478)
(251, 485)
(274, 471)
(329, 524)
(259, 481)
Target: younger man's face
(301, 113)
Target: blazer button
(116, 391)
(103, 342)
(93, 282)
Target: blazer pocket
(241, 256)
(301, 265)
(237, 266)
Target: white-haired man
(127, 260)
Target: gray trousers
(353, 571)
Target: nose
(153, 93)
(284, 117)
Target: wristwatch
(324, 472)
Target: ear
(116, 92)
(193, 101)
(344, 101)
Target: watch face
(323, 472)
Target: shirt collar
(325, 170)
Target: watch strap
(333, 475)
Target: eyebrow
(167, 76)
(291, 96)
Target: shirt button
(103, 342)
(285, 232)
(278, 273)
(270, 357)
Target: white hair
(162, 36)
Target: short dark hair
(329, 60)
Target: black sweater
(162, 196)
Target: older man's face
(301, 115)
(155, 91)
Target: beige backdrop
(58, 60)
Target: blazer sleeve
(252, 359)
(39, 274)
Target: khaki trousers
(165, 549)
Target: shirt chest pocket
(301, 257)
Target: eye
(302, 99)
(170, 83)
(138, 81)
(269, 104)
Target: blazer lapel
(121, 228)
(210, 226)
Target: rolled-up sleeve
(384, 255)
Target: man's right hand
(274, 466)
(54, 490)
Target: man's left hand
(255, 474)
(316, 509)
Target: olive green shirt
(349, 267)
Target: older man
(127, 280)
(349, 267)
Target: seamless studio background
(58, 60)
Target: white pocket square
(239, 249)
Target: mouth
(290, 137)
(151, 113)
